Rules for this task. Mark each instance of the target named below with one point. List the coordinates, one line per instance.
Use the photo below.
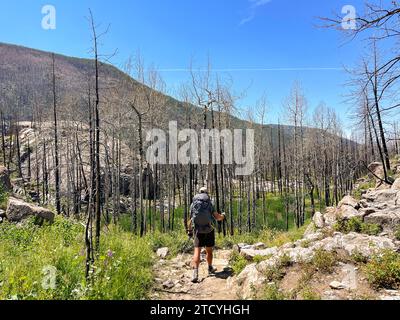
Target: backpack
(201, 212)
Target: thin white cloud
(255, 69)
(254, 5)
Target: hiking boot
(195, 276)
(211, 270)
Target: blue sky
(236, 34)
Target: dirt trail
(173, 279)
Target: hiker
(202, 214)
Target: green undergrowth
(123, 269)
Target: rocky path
(173, 279)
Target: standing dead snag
(97, 205)
(56, 156)
(141, 157)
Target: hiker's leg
(209, 251)
(196, 257)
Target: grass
(270, 237)
(272, 292)
(397, 233)
(324, 260)
(122, 270)
(237, 262)
(383, 270)
(307, 293)
(363, 187)
(3, 197)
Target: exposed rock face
(5, 179)
(18, 210)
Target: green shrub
(358, 257)
(324, 260)
(397, 233)
(3, 197)
(258, 258)
(371, 229)
(355, 224)
(123, 269)
(237, 262)
(274, 273)
(307, 293)
(272, 292)
(383, 270)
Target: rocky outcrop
(18, 210)
(252, 278)
(5, 182)
(382, 207)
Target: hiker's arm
(218, 217)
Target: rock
(349, 201)
(259, 245)
(299, 254)
(396, 185)
(387, 219)
(337, 285)
(169, 284)
(329, 295)
(248, 281)
(330, 216)
(355, 243)
(318, 220)
(162, 252)
(18, 210)
(251, 253)
(377, 169)
(312, 237)
(347, 212)
(350, 279)
(381, 199)
(5, 179)
(310, 229)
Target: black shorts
(204, 239)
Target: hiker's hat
(203, 190)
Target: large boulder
(5, 182)
(348, 201)
(248, 282)
(318, 220)
(18, 210)
(162, 252)
(347, 212)
(396, 185)
(377, 169)
(330, 216)
(389, 220)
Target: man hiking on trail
(202, 214)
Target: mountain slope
(25, 77)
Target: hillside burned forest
(101, 167)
